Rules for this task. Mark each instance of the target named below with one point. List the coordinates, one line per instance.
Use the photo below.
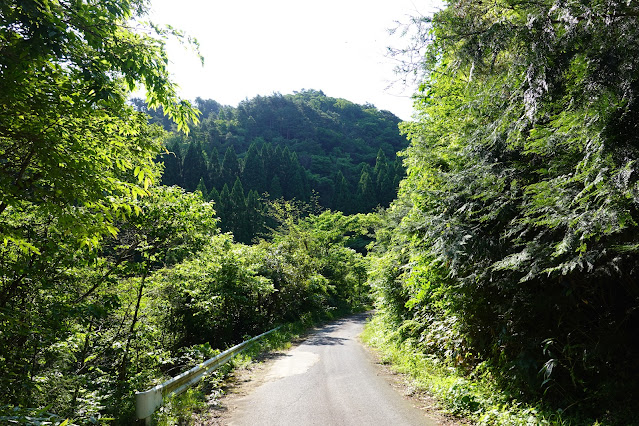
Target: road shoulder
(240, 382)
(402, 385)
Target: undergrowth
(474, 397)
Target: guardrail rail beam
(148, 401)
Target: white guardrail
(147, 402)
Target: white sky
(258, 47)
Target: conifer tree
(276, 164)
(230, 167)
(296, 185)
(306, 185)
(342, 196)
(381, 163)
(223, 209)
(213, 169)
(386, 191)
(253, 173)
(286, 173)
(255, 215)
(237, 219)
(172, 160)
(214, 196)
(194, 166)
(267, 158)
(275, 188)
(201, 186)
(366, 198)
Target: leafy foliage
(76, 240)
(518, 216)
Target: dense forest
(138, 237)
(302, 146)
(109, 281)
(512, 248)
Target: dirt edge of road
(242, 381)
(419, 398)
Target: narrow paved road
(327, 380)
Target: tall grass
(472, 396)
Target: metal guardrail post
(147, 402)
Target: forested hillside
(295, 146)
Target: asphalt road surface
(327, 380)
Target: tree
(381, 163)
(224, 209)
(172, 225)
(201, 186)
(383, 179)
(253, 173)
(519, 196)
(194, 167)
(342, 196)
(275, 188)
(255, 214)
(365, 196)
(230, 167)
(215, 297)
(74, 158)
(213, 171)
(296, 185)
(207, 106)
(314, 268)
(172, 159)
(303, 139)
(237, 219)
(63, 115)
(214, 197)
(58, 105)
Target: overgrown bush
(512, 244)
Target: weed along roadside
(468, 398)
(148, 401)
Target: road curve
(327, 380)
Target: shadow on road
(324, 341)
(322, 337)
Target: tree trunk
(123, 365)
